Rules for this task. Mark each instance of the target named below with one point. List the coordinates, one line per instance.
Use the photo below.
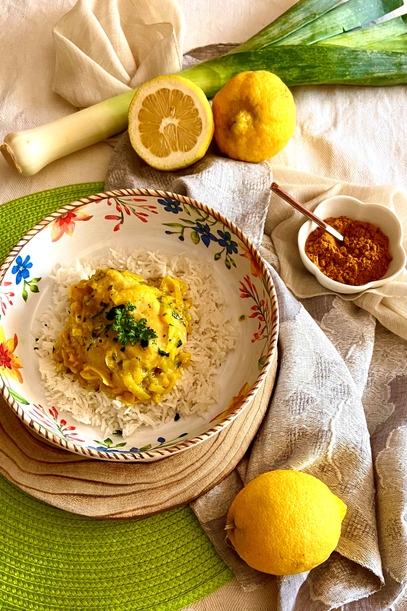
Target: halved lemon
(170, 122)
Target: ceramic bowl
(153, 220)
(381, 216)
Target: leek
(296, 17)
(310, 44)
(345, 17)
(383, 34)
(30, 150)
(307, 15)
(396, 44)
(319, 65)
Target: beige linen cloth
(104, 48)
(339, 408)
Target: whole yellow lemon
(285, 522)
(254, 116)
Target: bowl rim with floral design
(58, 226)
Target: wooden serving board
(115, 490)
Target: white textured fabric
(106, 48)
(323, 417)
(350, 134)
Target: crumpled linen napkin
(338, 409)
(241, 191)
(107, 48)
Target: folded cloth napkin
(338, 409)
(107, 48)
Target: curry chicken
(126, 336)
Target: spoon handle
(287, 197)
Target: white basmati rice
(212, 337)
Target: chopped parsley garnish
(129, 330)
(162, 353)
(179, 343)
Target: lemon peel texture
(255, 116)
(285, 522)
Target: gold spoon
(284, 195)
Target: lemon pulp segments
(170, 123)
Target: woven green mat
(52, 560)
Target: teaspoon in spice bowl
(370, 255)
(311, 215)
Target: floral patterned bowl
(154, 220)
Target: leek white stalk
(31, 150)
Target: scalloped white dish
(381, 216)
(155, 221)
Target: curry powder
(362, 257)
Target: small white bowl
(382, 217)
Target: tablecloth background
(354, 134)
(351, 134)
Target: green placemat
(54, 560)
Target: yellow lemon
(170, 122)
(254, 115)
(285, 522)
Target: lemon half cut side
(170, 122)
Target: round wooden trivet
(115, 490)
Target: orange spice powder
(362, 257)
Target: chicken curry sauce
(126, 336)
